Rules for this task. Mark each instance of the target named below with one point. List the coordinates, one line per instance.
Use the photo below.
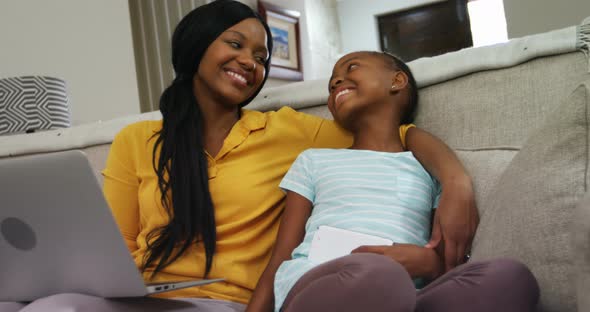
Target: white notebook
(330, 243)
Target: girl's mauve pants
(374, 283)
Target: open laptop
(57, 234)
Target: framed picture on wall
(286, 51)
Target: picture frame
(286, 55)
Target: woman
(220, 167)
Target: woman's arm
(121, 189)
(456, 218)
(291, 234)
(122, 199)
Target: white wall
(325, 45)
(527, 17)
(358, 22)
(86, 42)
(319, 36)
(488, 22)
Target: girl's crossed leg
(369, 282)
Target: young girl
(375, 187)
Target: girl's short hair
(396, 63)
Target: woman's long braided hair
(179, 158)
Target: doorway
(428, 30)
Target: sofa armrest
(581, 248)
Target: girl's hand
(418, 261)
(455, 222)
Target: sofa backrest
(498, 108)
(489, 110)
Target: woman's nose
(247, 63)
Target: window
(488, 22)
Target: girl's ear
(399, 81)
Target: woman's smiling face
(232, 68)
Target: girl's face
(232, 68)
(360, 83)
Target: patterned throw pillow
(33, 103)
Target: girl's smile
(341, 94)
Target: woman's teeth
(237, 76)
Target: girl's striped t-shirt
(378, 193)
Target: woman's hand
(455, 222)
(418, 261)
(456, 218)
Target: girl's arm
(291, 234)
(418, 261)
(456, 218)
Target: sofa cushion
(581, 246)
(528, 214)
(97, 156)
(485, 168)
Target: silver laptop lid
(57, 233)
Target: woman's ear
(399, 81)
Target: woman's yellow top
(244, 184)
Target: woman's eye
(352, 66)
(235, 44)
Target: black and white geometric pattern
(32, 103)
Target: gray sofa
(521, 130)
